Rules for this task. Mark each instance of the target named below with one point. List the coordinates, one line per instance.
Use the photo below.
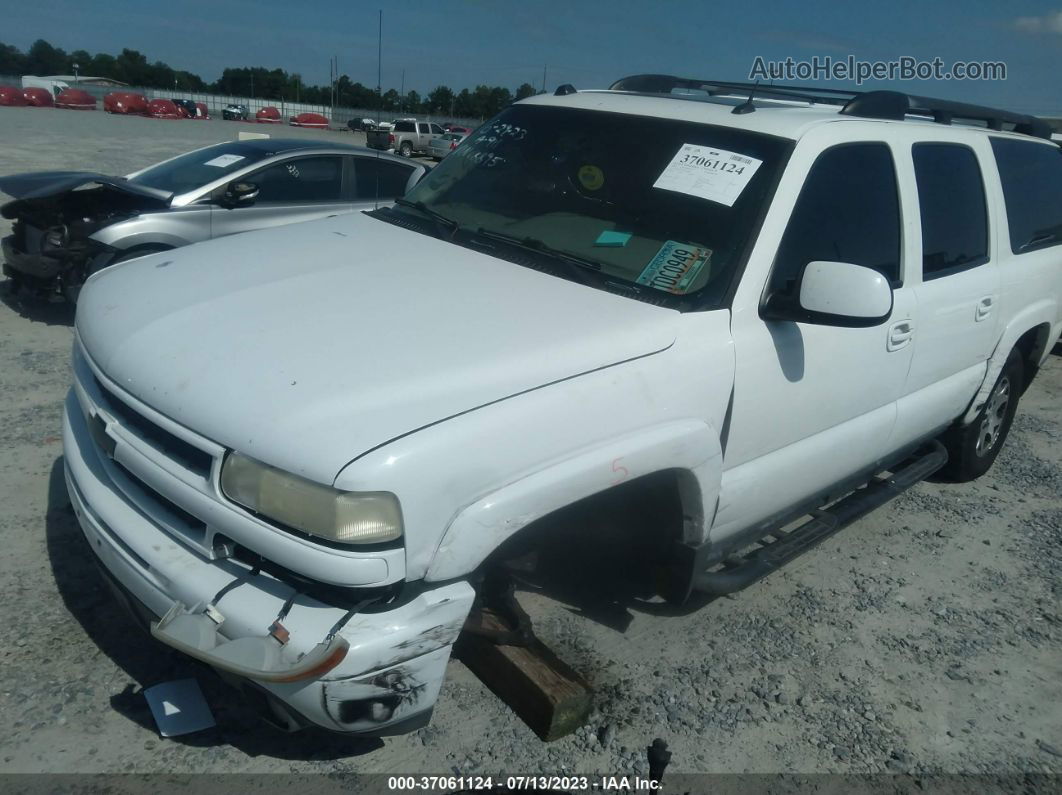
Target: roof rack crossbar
(894, 105)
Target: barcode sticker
(708, 173)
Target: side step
(772, 555)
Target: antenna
(379, 102)
(747, 106)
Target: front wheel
(72, 291)
(973, 448)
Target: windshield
(195, 169)
(665, 207)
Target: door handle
(984, 308)
(900, 334)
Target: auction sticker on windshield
(675, 267)
(224, 161)
(713, 174)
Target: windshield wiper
(577, 266)
(449, 223)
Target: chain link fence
(338, 115)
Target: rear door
(293, 190)
(378, 181)
(956, 284)
(423, 135)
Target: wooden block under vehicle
(543, 690)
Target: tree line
(133, 67)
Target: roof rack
(893, 105)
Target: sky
(588, 43)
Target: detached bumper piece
(263, 658)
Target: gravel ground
(926, 638)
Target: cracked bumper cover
(395, 657)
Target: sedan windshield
(195, 169)
(663, 208)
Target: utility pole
(379, 71)
(544, 66)
(402, 90)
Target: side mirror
(239, 194)
(835, 294)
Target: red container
(163, 109)
(125, 102)
(9, 95)
(38, 97)
(75, 99)
(314, 120)
(268, 115)
(202, 111)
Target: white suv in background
(292, 460)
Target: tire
(72, 291)
(973, 448)
(406, 149)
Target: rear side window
(1032, 187)
(951, 200)
(848, 211)
(404, 126)
(393, 178)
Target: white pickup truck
(292, 468)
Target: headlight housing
(345, 517)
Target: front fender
(136, 232)
(690, 446)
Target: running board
(772, 555)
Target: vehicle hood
(308, 345)
(41, 186)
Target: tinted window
(848, 211)
(435, 128)
(404, 126)
(424, 128)
(393, 178)
(307, 179)
(951, 199)
(1032, 187)
(195, 169)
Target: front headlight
(349, 517)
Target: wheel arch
(1031, 332)
(687, 453)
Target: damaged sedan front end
(52, 248)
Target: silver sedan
(442, 145)
(70, 224)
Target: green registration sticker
(675, 267)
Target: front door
(815, 404)
(298, 189)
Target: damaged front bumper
(48, 270)
(356, 668)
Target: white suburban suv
(292, 465)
